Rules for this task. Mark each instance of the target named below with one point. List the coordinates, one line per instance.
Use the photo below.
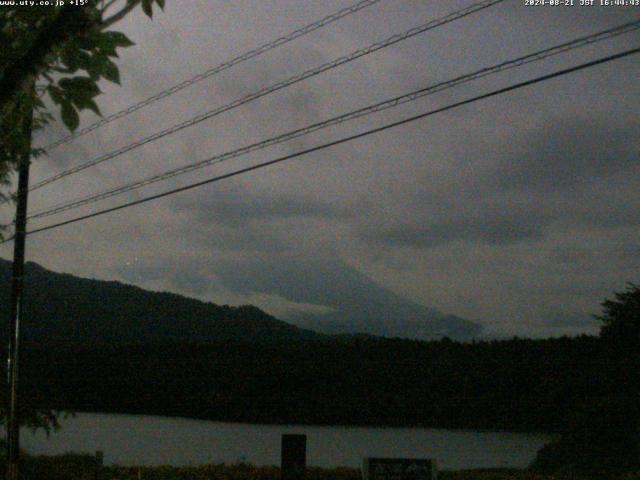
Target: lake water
(148, 440)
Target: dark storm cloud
(489, 228)
(532, 196)
(581, 258)
(317, 280)
(567, 151)
(237, 208)
(568, 171)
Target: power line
(345, 139)
(215, 70)
(275, 87)
(415, 95)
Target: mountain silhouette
(65, 309)
(354, 302)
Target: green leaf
(79, 92)
(83, 59)
(160, 4)
(93, 106)
(38, 152)
(108, 50)
(69, 60)
(89, 41)
(95, 67)
(147, 7)
(117, 39)
(106, 43)
(79, 87)
(56, 94)
(110, 72)
(37, 103)
(70, 116)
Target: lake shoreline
(153, 440)
(389, 426)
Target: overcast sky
(520, 212)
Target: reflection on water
(148, 440)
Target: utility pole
(17, 289)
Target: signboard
(294, 456)
(399, 469)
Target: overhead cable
(258, 166)
(377, 107)
(215, 70)
(272, 88)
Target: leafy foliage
(82, 467)
(73, 466)
(60, 53)
(621, 317)
(63, 310)
(603, 432)
(601, 436)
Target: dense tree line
(602, 432)
(516, 384)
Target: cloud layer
(519, 212)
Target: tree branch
(120, 15)
(108, 5)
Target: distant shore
(312, 424)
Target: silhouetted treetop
(621, 316)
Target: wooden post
(17, 289)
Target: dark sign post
(98, 464)
(294, 456)
(399, 469)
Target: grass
(82, 467)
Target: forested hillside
(63, 309)
(72, 310)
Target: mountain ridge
(356, 302)
(64, 308)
